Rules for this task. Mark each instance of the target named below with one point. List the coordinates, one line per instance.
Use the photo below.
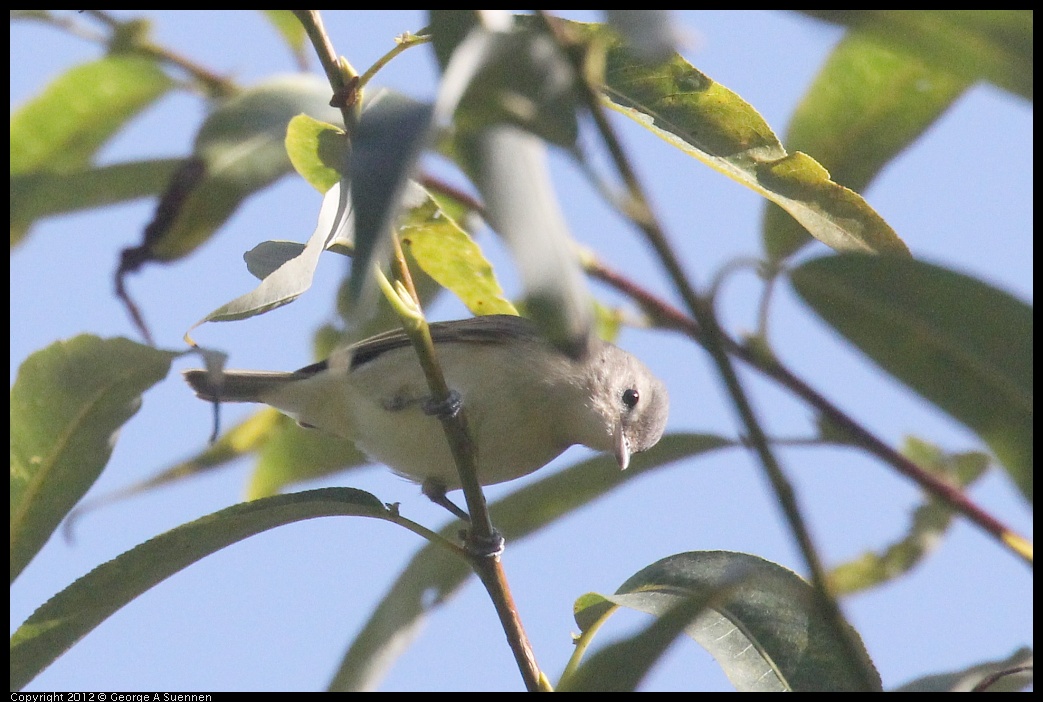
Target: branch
(642, 216)
(485, 562)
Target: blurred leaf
(390, 136)
(448, 28)
(757, 619)
(242, 147)
(247, 437)
(704, 119)
(36, 15)
(962, 344)
(608, 321)
(45, 193)
(67, 405)
(317, 150)
(516, 77)
(930, 522)
(650, 34)
(292, 32)
(55, 135)
(967, 679)
(78, 609)
(865, 106)
(992, 45)
(504, 84)
(292, 454)
(509, 168)
(66, 124)
(287, 454)
(452, 258)
(431, 579)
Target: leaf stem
(131, 36)
(402, 42)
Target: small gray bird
(525, 400)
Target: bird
(525, 400)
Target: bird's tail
(237, 386)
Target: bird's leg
(449, 407)
(490, 547)
(434, 490)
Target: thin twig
(990, 680)
(130, 38)
(487, 566)
(456, 425)
(665, 314)
(340, 74)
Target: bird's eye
(630, 398)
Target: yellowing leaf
(449, 255)
(708, 121)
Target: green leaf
(962, 344)
(621, 666)
(66, 124)
(930, 521)
(44, 193)
(78, 609)
(317, 150)
(287, 454)
(242, 147)
(865, 106)
(992, 45)
(759, 621)
(55, 135)
(67, 404)
(591, 610)
(708, 121)
(446, 253)
(431, 579)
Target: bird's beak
(621, 448)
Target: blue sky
(277, 611)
